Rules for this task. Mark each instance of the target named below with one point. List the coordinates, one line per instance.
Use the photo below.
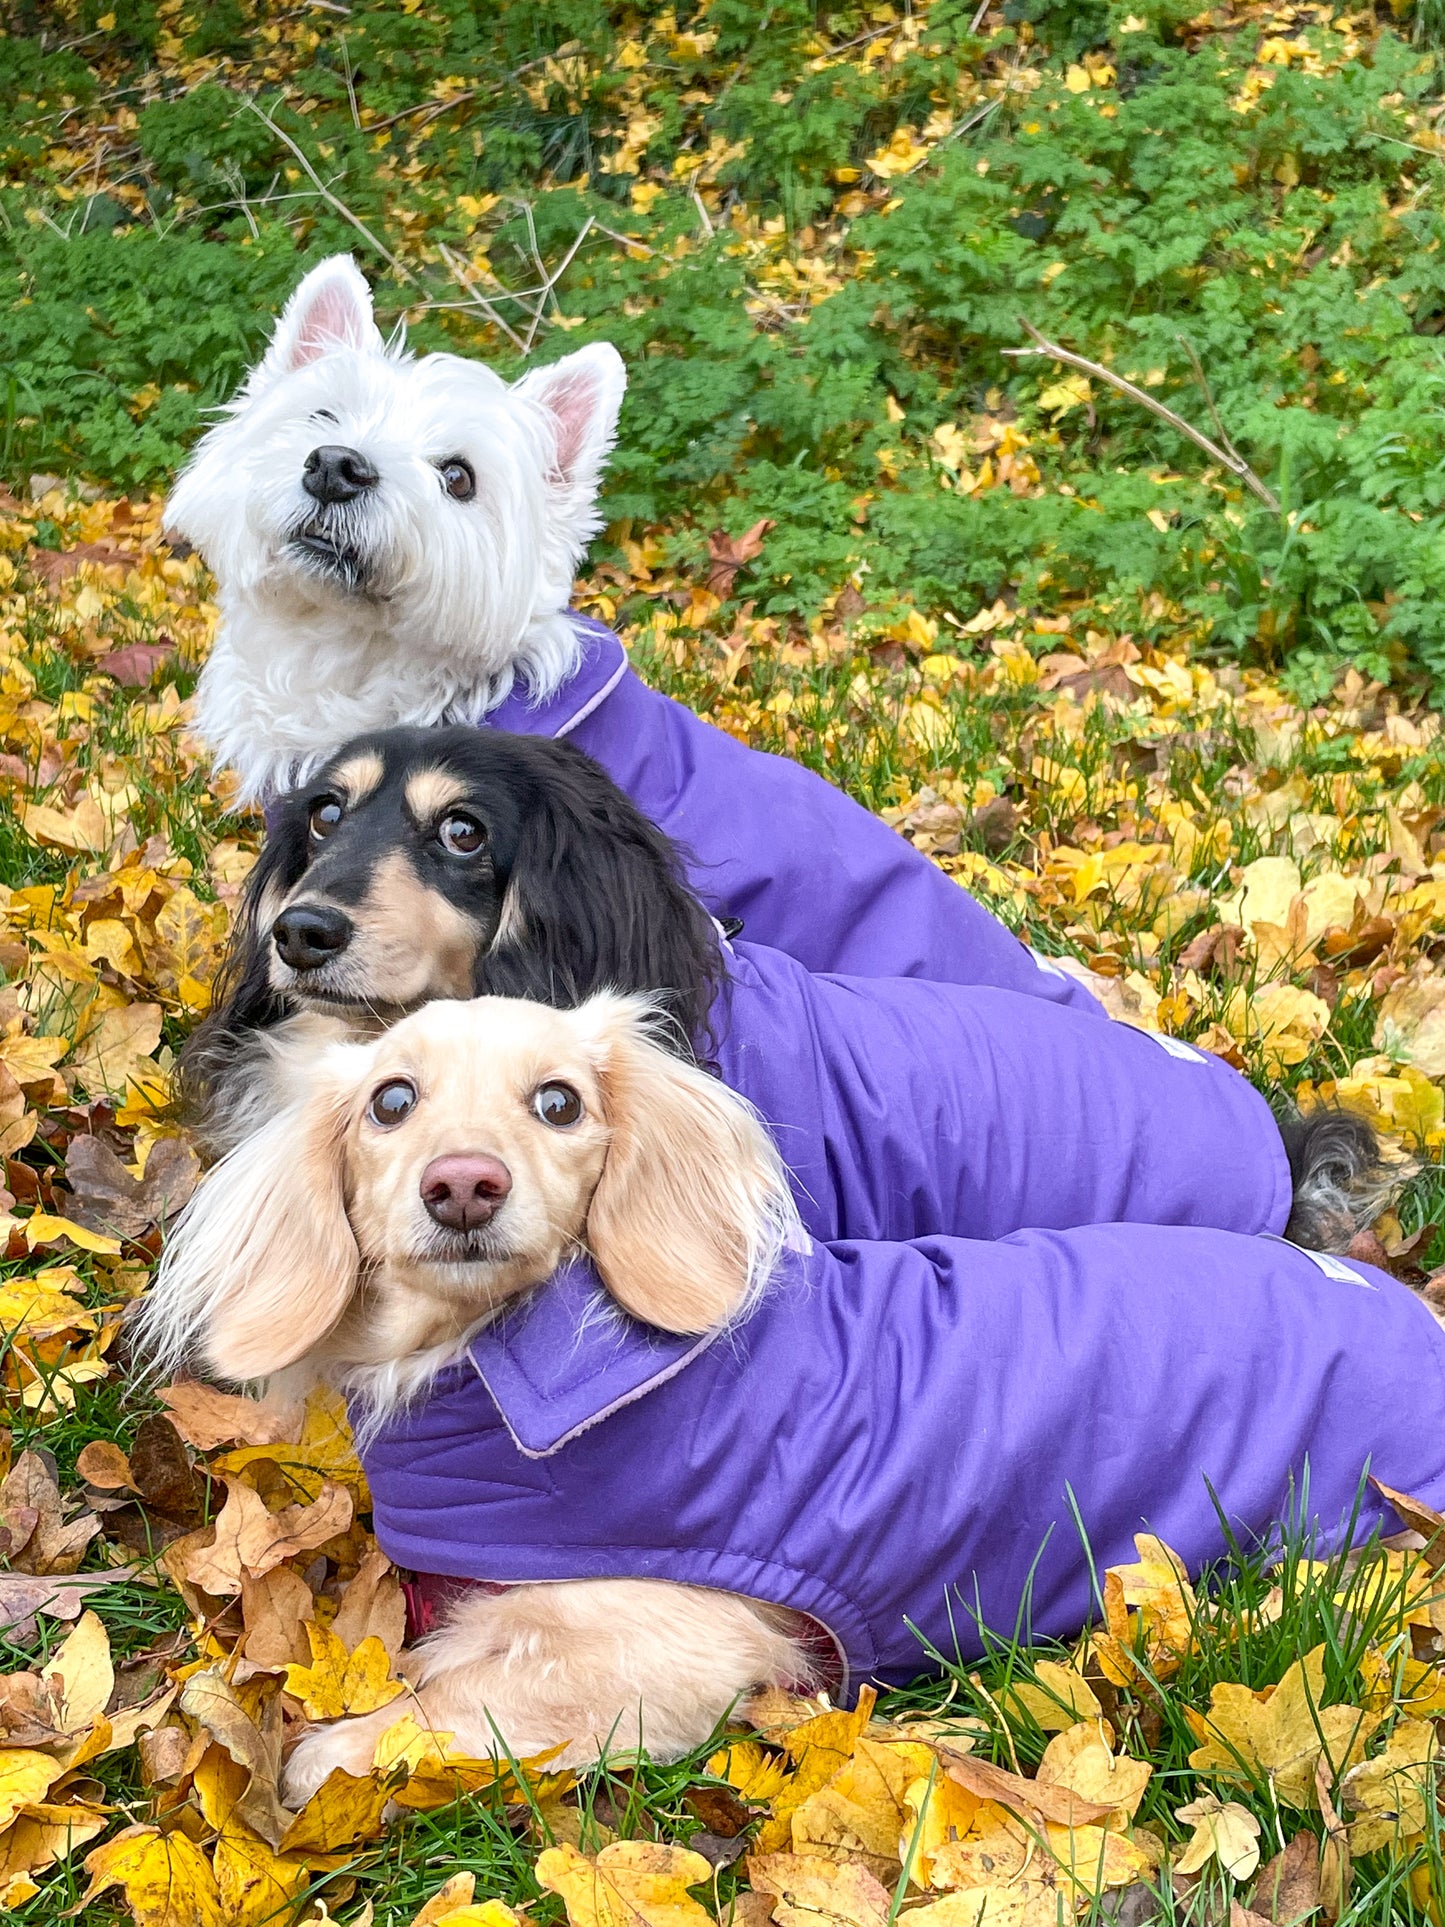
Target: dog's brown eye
(324, 817)
(557, 1105)
(391, 1102)
(462, 835)
(458, 479)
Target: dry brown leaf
(53, 1543)
(1288, 1888)
(104, 1465)
(207, 1418)
(275, 1608)
(251, 1539)
(105, 1196)
(372, 1606)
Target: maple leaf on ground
(1151, 1602)
(343, 1809)
(166, 1879)
(338, 1682)
(818, 1748)
(1394, 1792)
(250, 1539)
(452, 1905)
(117, 1048)
(106, 1197)
(1060, 1803)
(1080, 1761)
(861, 1813)
(1223, 1831)
(756, 1773)
(1280, 1733)
(135, 666)
(728, 554)
(819, 1893)
(206, 1418)
(632, 1883)
(44, 1833)
(1059, 1700)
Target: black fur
(597, 891)
(1341, 1182)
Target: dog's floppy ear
(262, 1262)
(581, 395)
(693, 1207)
(330, 309)
(214, 1068)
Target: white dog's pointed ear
(330, 309)
(581, 395)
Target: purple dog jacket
(898, 1434)
(807, 869)
(904, 1108)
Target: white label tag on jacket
(1176, 1047)
(1325, 1261)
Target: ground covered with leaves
(1159, 707)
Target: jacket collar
(568, 1357)
(602, 667)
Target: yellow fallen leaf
(45, 1228)
(860, 1814)
(81, 1674)
(1081, 1761)
(118, 1049)
(343, 1809)
(255, 1885)
(1223, 1831)
(337, 1682)
(43, 1834)
(818, 1748)
(1059, 1699)
(819, 1893)
(166, 1879)
(632, 1883)
(937, 1811)
(1279, 1733)
(1267, 888)
(1393, 1793)
(83, 829)
(752, 1771)
(1096, 1858)
(1023, 1903)
(25, 1778)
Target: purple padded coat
(904, 1108)
(807, 869)
(899, 1435)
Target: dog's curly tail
(1342, 1181)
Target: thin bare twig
(432, 109)
(1233, 461)
(351, 87)
(475, 297)
(623, 240)
(978, 18)
(332, 200)
(1203, 380)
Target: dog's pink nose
(464, 1192)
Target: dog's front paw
(348, 1744)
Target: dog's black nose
(464, 1192)
(310, 934)
(335, 474)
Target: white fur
(605, 1667)
(459, 598)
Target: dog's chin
(342, 1000)
(327, 559)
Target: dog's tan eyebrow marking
(430, 791)
(359, 775)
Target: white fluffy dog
(410, 582)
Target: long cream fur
(308, 1252)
